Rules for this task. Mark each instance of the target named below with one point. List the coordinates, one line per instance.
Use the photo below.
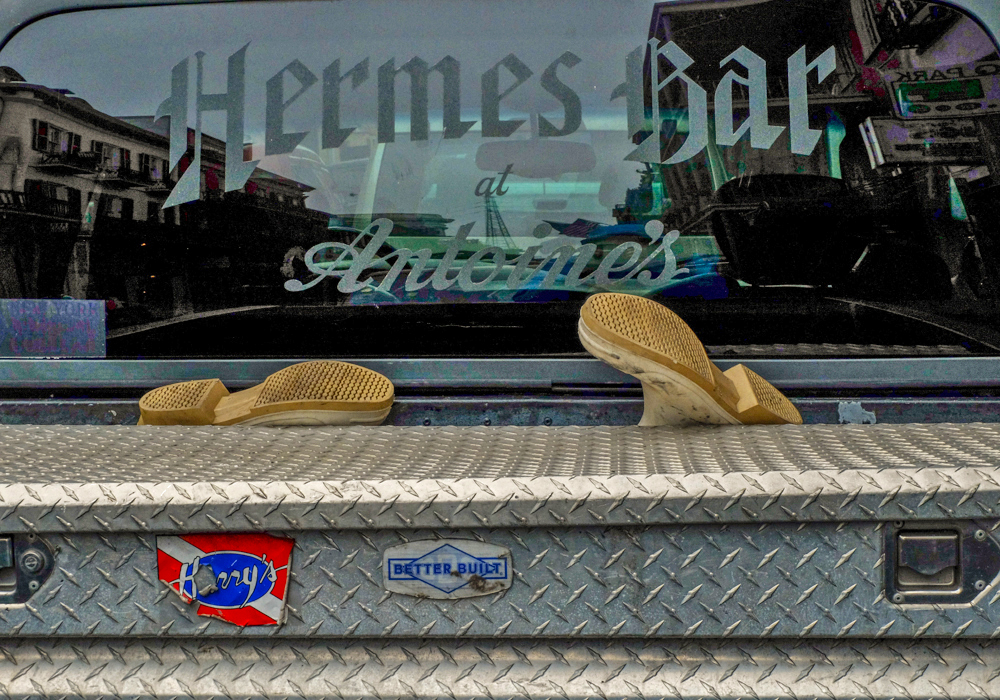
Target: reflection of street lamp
(87, 224)
(78, 275)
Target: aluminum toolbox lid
(166, 479)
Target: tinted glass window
(438, 178)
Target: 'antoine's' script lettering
(645, 120)
(563, 268)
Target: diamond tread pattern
(573, 670)
(652, 326)
(807, 581)
(127, 454)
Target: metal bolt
(897, 523)
(32, 561)
(547, 421)
(487, 422)
(980, 585)
(898, 597)
(980, 535)
(33, 586)
(427, 421)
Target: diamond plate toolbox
(820, 561)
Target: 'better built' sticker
(447, 569)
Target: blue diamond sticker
(447, 568)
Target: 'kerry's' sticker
(239, 578)
(447, 568)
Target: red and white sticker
(241, 578)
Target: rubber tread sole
(321, 392)
(681, 386)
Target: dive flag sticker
(447, 569)
(239, 578)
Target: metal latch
(7, 577)
(927, 559)
(26, 562)
(952, 562)
(6, 553)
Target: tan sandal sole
(323, 392)
(680, 385)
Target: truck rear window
(431, 178)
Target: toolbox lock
(26, 562)
(953, 562)
(6, 553)
(7, 573)
(927, 559)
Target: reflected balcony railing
(95, 167)
(69, 163)
(254, 201)
(53, 207)
(20, 203)
(150, 178)
(12, 201)
(127, 178)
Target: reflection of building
(774, 35)
(899, 24)
(899, 64)
(81, 197)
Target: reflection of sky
(139, 46)
(130, 73)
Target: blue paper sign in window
(52, 328)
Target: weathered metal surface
(500, 669)
(581, 408)
(903, 373)
(68, 412)
(120, 479)
(836, 350)
(822, 580)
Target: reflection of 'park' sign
(642, 117)
(568, 267)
